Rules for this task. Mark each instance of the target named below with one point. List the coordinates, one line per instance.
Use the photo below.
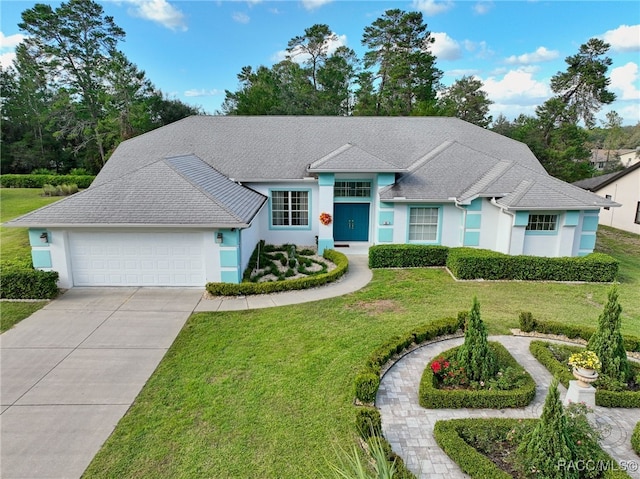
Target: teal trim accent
(285, 227)
(34, 237)
(41, 258)
(385, 235)
(386, 205)
(326, 179)
(587, 242)
(229, 277)
(386, 217)
(472, 238)
(230, 238)
(323, 244)
(229, 258)
(522, 218)
(590, 223)
(583, 253)
(474, 221)
(476, 205)
(386, 179)
(438, 231)
(571, 218)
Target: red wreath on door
(325, 219)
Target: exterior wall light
(219, 238)
(44, 237)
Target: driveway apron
(70, 371)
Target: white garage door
(137, 259)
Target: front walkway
(409, 427)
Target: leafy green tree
(549, 445)
(314, 44)
(475, 355)
(607, 341)
(406, 77)
(466, 100)
(336, 78)
(75, 43)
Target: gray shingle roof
(597, 182)
(350, 158)
(177, 191)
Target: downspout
(504, 210)
(464, 219)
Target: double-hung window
(289, 208)
(423, 224)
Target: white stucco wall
(626, 191)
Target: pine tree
(607, 342)
(548, 446)
(475, 355)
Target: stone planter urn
(585, 376)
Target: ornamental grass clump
(608, 345)
(475, 356)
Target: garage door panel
(144, 259)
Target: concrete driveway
(69, 372)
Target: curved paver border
(409, 427)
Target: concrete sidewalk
(70, 371)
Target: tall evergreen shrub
(475, 355)
(548, 446)
(607, 341)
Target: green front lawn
(269, 393)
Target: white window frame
(426, 225)
(293, 212)
(542, 223)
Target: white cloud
(625, 38)
(314, 4)
(432, 7)
(516, 87)
(540, 55)
(445, 47)
(480, 49)
(482, 8)
(159, 11)
(300, 58)
(7, 48)
(201, 92)
(624, 80)
(240, 17)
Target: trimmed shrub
(407, 256)
(527, 323)
(607, 342)
(472, 263)
(28, 284)
(38, 181)
(367, 384)
(234, 289)
(474, 355)
(433, 398)
(635, 439)
(368, 422)
(549, 443)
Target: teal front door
(351, 222)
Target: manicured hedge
(627, 399)
(38, 181)
(407, 256)
(635, 439)
(472, 462)
(433, 398)
(631, 343)
(28, 284)
(449, 436)
(472, 263)
(246, 288)
(368, 379)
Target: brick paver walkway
(409, 427)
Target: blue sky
(193, 50)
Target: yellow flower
(585, 359)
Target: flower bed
(443, 384)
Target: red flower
(436, 367)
